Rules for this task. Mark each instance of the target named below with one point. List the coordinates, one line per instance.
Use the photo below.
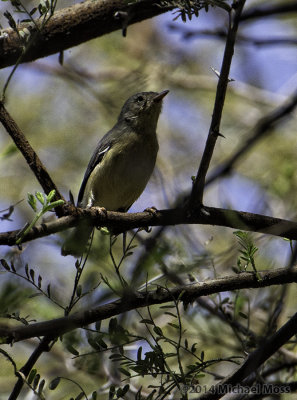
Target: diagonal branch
(74, 25)
(42, 347)
(133, 300)
(214, 130)
(264, 351)
(27, 151)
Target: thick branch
(27, 151)
(74, 25)
(126, 221)
(214, 130)
(135, 300)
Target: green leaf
(9, 150)
(32, 201)
(102, 343)
(169, 313)
(112, 327)
(54, 204)
(146, 321)
(5, 264)
(32, 274)
(243, 315)
(32, 375)
(124, 371)
(139, 351)
(51, 195)
(36, 381)
(93, 343)
(40, 197)
(111, 392)
(173, 325)
(72, 350)
(158, 330)
(41, 386)
(54, 383)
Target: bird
(121, 164)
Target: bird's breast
(120, 178)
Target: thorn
(124, 17)
(217, 73)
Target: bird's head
(142, 110)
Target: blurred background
(65, 109)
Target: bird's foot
(151, 210)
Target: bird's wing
(97, 157)
(102, 148)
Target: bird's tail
(77, 241)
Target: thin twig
(262, 127)
(196, 197)
(25, 370)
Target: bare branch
(130, 301)
(126, 221)
(27, 151)
(74, 25)
(196, 197)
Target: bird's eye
(140, 99)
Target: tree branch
(28, 152)
(74, 25)
(196, 197)
(126, 221)
(25, 370)
(130, 301)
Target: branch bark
(28, 152)
(133, 300)
(74, 25)
(126, 221)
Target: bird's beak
(160, 96)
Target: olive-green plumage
(121, 165)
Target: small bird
(121, 164)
